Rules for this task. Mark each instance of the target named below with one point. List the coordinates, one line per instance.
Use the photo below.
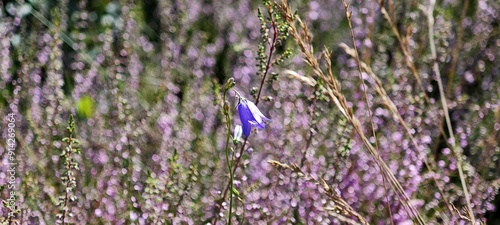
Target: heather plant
(380, 112)
(68, 178)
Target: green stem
(229, 164)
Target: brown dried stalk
(405, 49)
(303, 39)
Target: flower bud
(238, 131)
(229, 84)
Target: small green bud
(229, 84)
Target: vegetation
(137, 112)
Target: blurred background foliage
(141, 78)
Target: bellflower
(250, 116)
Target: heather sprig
(279, 34)
(68, 175)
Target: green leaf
(85, 106)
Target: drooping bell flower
(250, 116)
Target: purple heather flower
(250, 116)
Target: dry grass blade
(435, 67)
(364, 87)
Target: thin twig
(271, 51)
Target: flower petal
(259, 117)
(257, 114)
(237, 132)
(245, 117)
